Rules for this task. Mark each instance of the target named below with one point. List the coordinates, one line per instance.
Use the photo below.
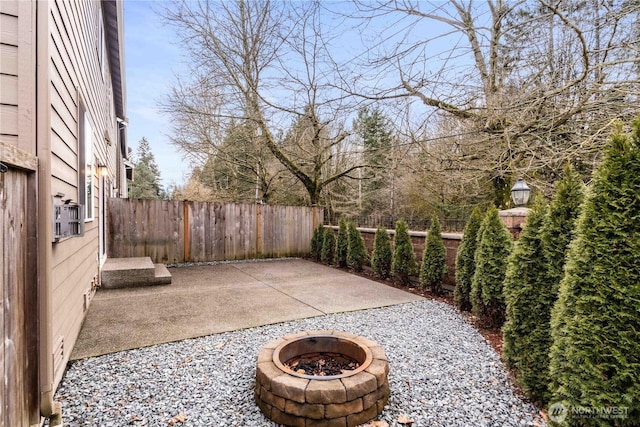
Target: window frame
(86, 177)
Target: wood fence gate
(18, 294)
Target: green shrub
(434, 259)
(494, 246)
(527, 294)
(342, 244)
(465, 263)
(317, 239)
(403, 263)
(531, 286)
(328, 247)
(595, 323)
(357, 253)
(381, 255)
(559, 226)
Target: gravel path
(443, 373)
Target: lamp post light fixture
(520, 193)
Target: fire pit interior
(322, 378)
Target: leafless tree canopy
(264, 66)
(476, 93)
(530, 85)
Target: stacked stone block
(348, 401)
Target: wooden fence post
(259, 231)
(186, 230)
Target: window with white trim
(85, 163)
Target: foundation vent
(58, 355)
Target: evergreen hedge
(533, 289)
(381, 254)
(494, 246)
(328, 247)
(595, 323)
(342, 243)
(403, 263)
(357, 252)
(465, 263)
(317, 240)
(434, 259)
(528, 296)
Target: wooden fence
(175, 231)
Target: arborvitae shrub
(465, 263)
(595, 323)
(531, 287)
(403, 263)
(317, 240)
(342, 243)
(559, 226)
(357, 253)
(434, 259)
(494, 246)
(381, 255)
(527, 293)
(328, 247)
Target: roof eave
(113, 12)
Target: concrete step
(133, 272)
(162, 275)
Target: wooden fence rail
(175, 231)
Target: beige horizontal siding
(9, 63)
(8, 29)
(9, 119)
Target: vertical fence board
(13, 288)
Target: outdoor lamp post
(520, 193)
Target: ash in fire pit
(322, 364)
(322, 378)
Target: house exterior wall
(17, 96)
(79, 75)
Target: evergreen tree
(317, 240)
(403, 263)
(328, 247)
(381, 255)
(595, 323)
(528, 296)
(146, 182)
(531, 288)
(465, 263)
(494, 246)
(374, 130)
(434, 259)
(356, 253)
(558, 229)
(342, 244)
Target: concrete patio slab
(204, 300)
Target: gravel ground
(442, 373)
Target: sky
(151, 60)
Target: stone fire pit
(296, 399)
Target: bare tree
(265, 65)
(532, 85)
